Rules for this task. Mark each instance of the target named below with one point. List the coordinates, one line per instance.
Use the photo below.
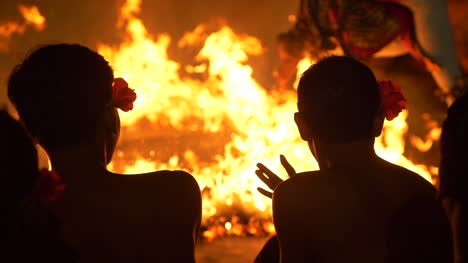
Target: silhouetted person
(367, 29)
(30, 233)
(358, 207)
(67, 97)
(454, 174)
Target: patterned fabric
(361, 27)
(367, 26)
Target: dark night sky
(92, 22)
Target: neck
(76, 163)
(353, 154)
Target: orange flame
(32, 17)
(433, 135)
(260, 126)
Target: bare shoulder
(166, 178)
(181, 178)
(304, 181)
(168, 189)
(296, 200)
(298, 186)
(406, 179)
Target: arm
(453, 190)
(457, 215)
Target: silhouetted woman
(68, 99)
(30, 232)
(454, 174)
(358, 207)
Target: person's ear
(303, 126)
(378, 123)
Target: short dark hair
(340, 98)
(59, 91)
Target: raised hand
(270, 178)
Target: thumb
(289, 169)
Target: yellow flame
(302, 66)
(391, 146)
(226, 99)
(433, 135)
(31, 16)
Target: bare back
(383, 213)
(133, 218)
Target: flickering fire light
(213, 119)
(225, 109)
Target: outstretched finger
(265, 179)
(289, 169)
(273, 178)
(265, 192)
(265, 170)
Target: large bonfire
(217, 122)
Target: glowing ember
(32, 17)
(218, 102)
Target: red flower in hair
(49, 186)
(392, 99)
(122, 96)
